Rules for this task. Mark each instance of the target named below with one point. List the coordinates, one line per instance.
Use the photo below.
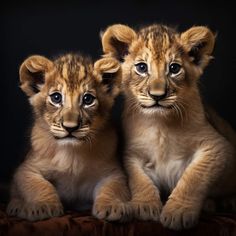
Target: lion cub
(73, 146)
(172, 148)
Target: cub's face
(160, 66)
(71, 96)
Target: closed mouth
(70, 136)
(156, 105)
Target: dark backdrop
(52, 28)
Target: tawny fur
(175, 146)
(81, 169)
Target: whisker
(56, 129)
(184, 106)
(180, 113)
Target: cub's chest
(68, 162)
(67, 171)
(152, 142)
(159, 143)
(166, 156)
(165, 173)
(71, 176)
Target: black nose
(157, 97)
(70, 129)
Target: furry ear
(109, 70)
(116, 40)
(32, 73)
(199, 42)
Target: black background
(52, 28)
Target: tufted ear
(109, 71)
(116, 40)
(199, 42)
(32, 73)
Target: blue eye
(88, 99)
(141, 68)
(56, 98)
(174, 68)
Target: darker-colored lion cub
(73, 146)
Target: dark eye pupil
(141, 67)
(88, 99)
(174, 68)
(56, 97)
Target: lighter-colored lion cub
(73, 146)
(173, 147)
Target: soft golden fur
(174, 147)
(73, 145)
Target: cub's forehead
(73, 70)
(160, 40)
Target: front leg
(145, 202)
(110, 198)
(33, 197)
(185, 203)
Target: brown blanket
(74, 223)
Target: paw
(34, 211)
(149, 210)
(112, 211)
(179, 216)
(14, 207)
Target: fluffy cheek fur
(38, 103)
(46, 112)
(133, 84)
